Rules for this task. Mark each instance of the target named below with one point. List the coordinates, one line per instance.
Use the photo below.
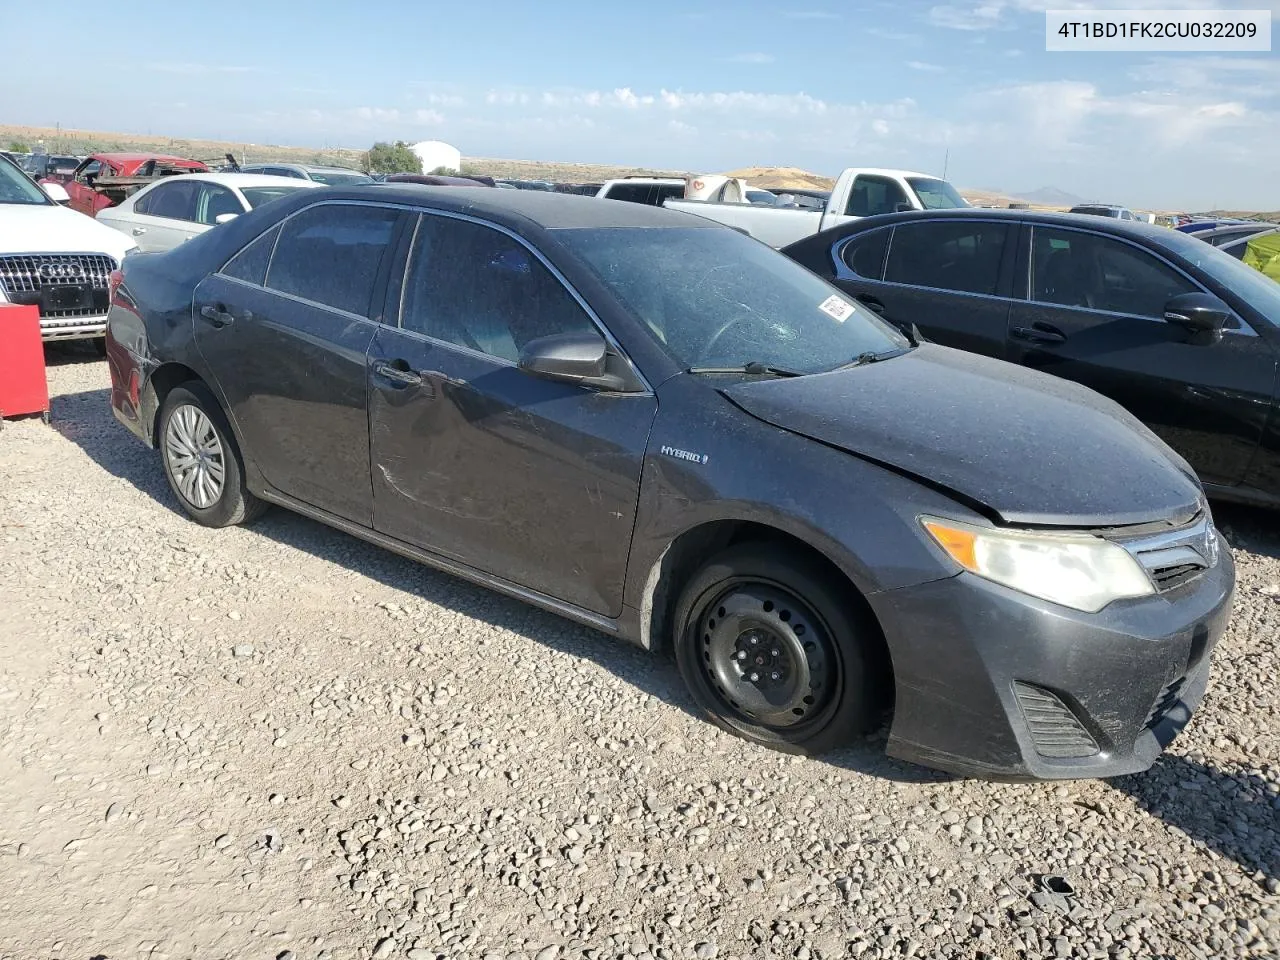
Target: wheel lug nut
(773, 652)
(754, 677)
(741, 654)
(755, 640)
(775, 675)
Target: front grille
(1168, 699)
(1055, 730)
(1166, 578)
(1176, 557)
(30, 278)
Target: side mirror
(225, 217)
(56, 192)
(568, 357)
(902, 207)
(1198, 313)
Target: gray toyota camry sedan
(663, 429)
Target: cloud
(810, 15)
(428, 116)
(895, 35)
(925, 67)
(750, 58)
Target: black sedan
(1180, 333)
(658, 427)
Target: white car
(54, 258)
(174, 209)
(323, 176)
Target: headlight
(1075, 570)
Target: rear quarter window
(864, 253)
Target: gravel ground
(280, 742)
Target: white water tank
(435, 154)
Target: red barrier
(23, 387)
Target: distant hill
(1051, 197)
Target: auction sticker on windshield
(837, 308)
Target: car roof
(1136, 228)
(518, 208)
(242, 180)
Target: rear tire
(772, 652)
(201, 460)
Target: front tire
(772, 651)
(201, 460)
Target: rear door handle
(1038, 333)
(139, 231)
(397, 372)
(218, 315)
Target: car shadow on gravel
(85, 419)
(71, 352)
(1233, 812)
(1249, 528)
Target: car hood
(1022, 446)
(54, 229)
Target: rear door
(1095, 315)
(284, 328)
(164, 216)
(950, 277)
(526, 479)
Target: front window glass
(16, 187)
(474, 286)
(1078, 269)
(714, 297)
(936, 194)
(214, 201)
(1254, 288)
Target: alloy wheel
(193, 452)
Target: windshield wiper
(871, 356)
(752, 367)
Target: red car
(102, 165)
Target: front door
(286, 344)
(526, 479)
(1096, 315)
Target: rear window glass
(963, 256)
(250, 264)
(864, 254)
(330, 254)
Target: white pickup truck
(859, 192)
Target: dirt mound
(782, 178)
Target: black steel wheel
(771, 651)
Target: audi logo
(61, 271)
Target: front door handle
(397, 371)
(1039, 333)
(139, 231)
(216, 314)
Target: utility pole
(946, 159)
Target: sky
(966, 85)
